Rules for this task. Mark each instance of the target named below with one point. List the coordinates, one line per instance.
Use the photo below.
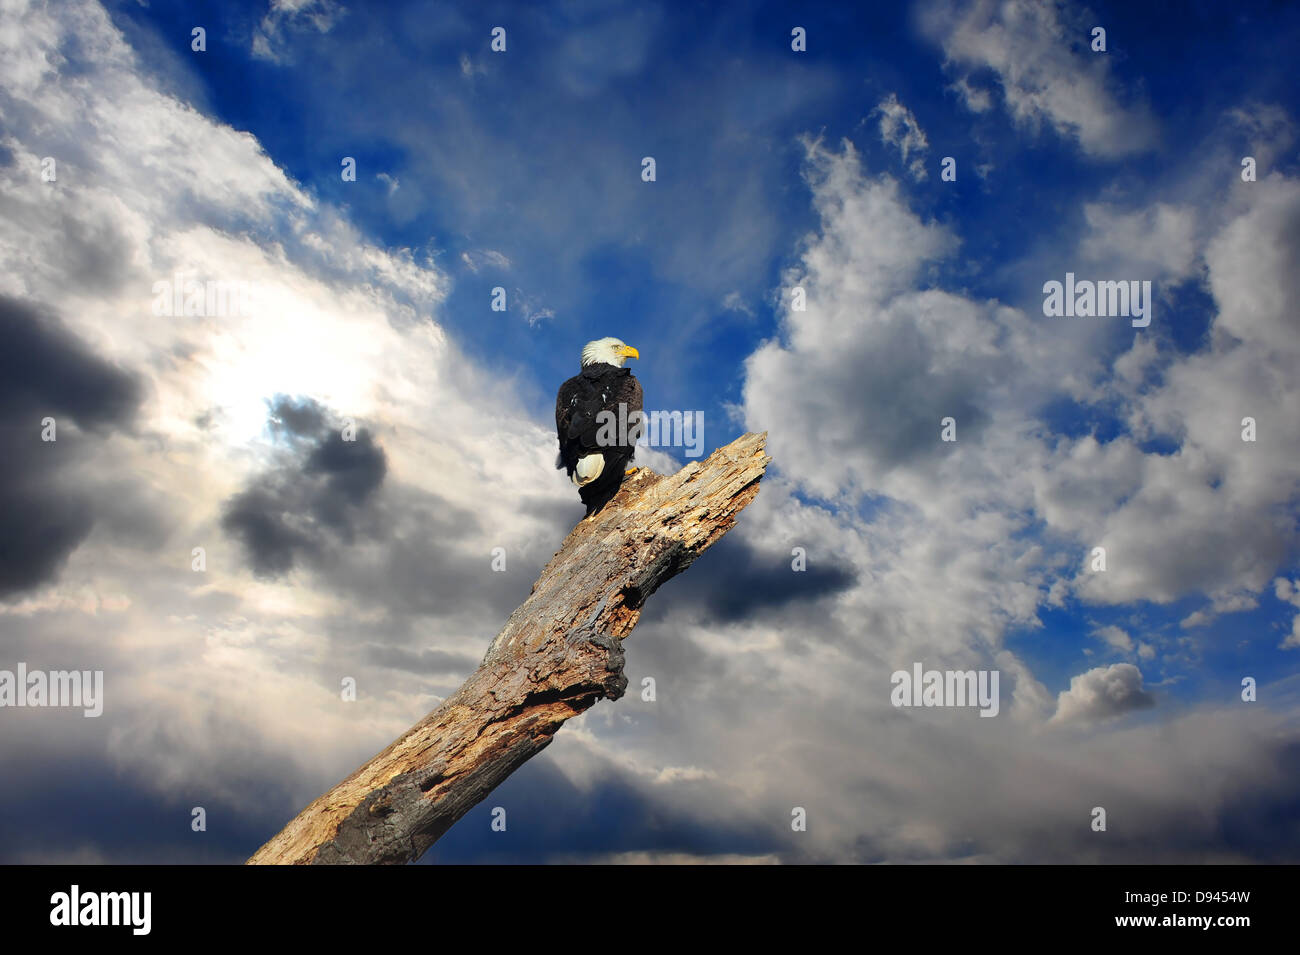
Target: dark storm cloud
(43, 366)
(88, 812)
(432, 562)
(559, 515)
(94, 815)
(325, 495)
(305, 419)
(425, 661)
(550, 819)
(257, 517)
(1258, 821)
(46, 371)
(1264, 824)
(317, 496)
(734, 581)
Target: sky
(846, 242)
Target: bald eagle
(596, 447)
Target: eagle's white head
(609, 350)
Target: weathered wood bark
(558, 654)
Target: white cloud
(1157, 243)
(469, 69)
(1206, 518)
(1101, 694)
(1220, 603)
(531, 308)
(899, 128)
(284, 15)
(1268, 130)
(943, 565)
(1046, 71)
(478, 259)
(1201, 520)
(1115, 637)
(1289, 592)
(735, 302)
(672, 774)
(975, 98)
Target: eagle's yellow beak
(627, 351)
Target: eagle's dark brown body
(599, 388)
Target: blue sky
(774, 168)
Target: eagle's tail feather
(588, 469)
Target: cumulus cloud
(1157, 243)
(1208, 517)
(1102, 693)
(58, 402)
(1201, 520)
(943, 561)
(1289, 591)
(909, 358)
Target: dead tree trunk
(558, 654)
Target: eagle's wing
(629, 393)
(564, 407)
(578, 407)
(566, 399)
